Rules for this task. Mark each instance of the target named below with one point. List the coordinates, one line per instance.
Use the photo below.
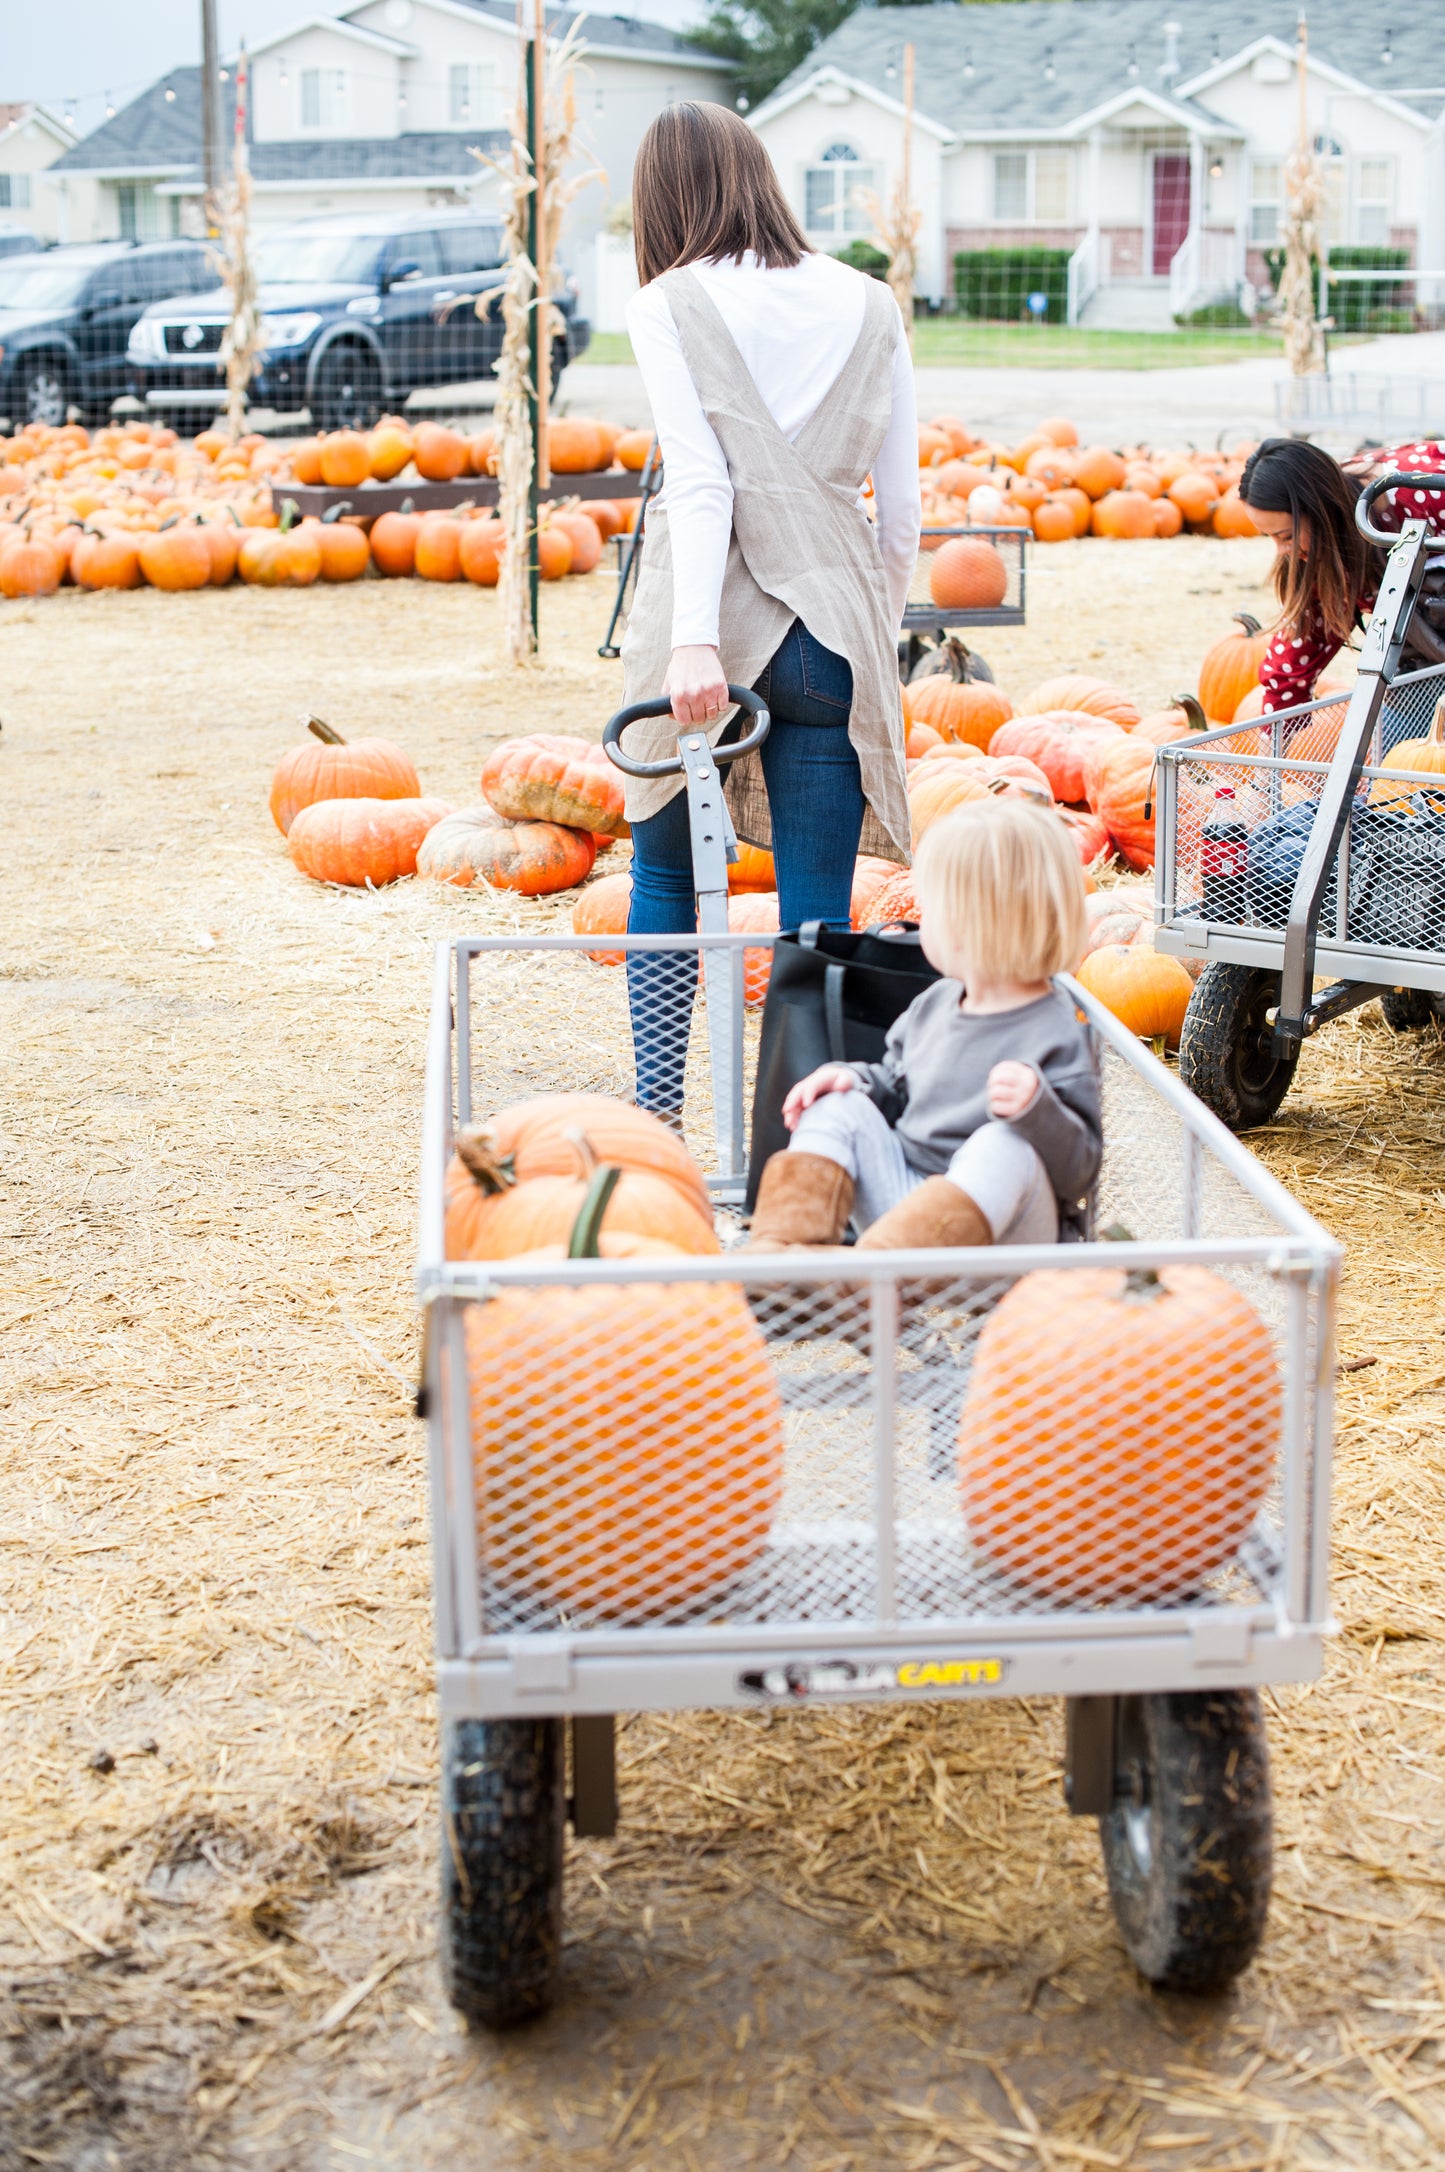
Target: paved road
(1399, 384)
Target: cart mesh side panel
(990, 591)
(1386, 890)
(697, 1444)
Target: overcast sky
(73, 53)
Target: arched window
(834, 191)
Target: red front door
(1171, 208)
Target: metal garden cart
(1343, 879)
(841, 1559)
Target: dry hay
(844, 1939)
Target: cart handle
(1366, 501)
(672, 767)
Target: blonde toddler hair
(1004, 885)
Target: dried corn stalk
(520, 292)
(244, 340)
(1304, 339)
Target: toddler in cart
(982, 1123)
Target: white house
(31, 139)
(380, 110)
(1151, 148)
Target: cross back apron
(801, 548)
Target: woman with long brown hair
(1327, 574)
(779, 381)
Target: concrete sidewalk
(1223, 401)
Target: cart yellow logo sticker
(797, 1679)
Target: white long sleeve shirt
(795, 328)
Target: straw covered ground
(854, 1939)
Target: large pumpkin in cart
(627, 1438)
(1120, 1431)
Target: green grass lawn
(1070, 347)
(1047, 347)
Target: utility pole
(210, 113)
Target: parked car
(358, 313)
(66, 316)
(16, 241)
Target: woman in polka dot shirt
(1327, 574)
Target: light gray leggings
(1001, 1173)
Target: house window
(1373, 200)
(1266, 202)
(474, 100)
(323, 97)
(14, 191)
(833, 193)
(1030, 187)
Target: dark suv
(357, 313)
(66, 315)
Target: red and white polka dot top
(1297, 654)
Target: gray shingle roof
(606, 33)
(1091, 42)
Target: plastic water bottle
(1223, 854)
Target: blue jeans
(815, 799)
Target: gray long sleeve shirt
(932, 1085)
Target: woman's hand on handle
(696, 685)
(829, 1078)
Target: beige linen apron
(801, 547)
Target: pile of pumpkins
(1056, 489)
(353, 813)
(124, 508)
(429, 452)
(628, 1440)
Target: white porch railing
(1208, 267)
(1083, 275)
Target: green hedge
(998, 282)
(1356, 305)
(864, 257)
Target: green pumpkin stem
(290, 514)
(1138, 1281)
(322, 730)
(587, 1229)
(492, 1171)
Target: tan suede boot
(935, 1213)
(803, 1200)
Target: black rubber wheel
(1189, 1847)
(503, 1803)
(346, 391)
(1226, 1052)
(1407, 1008)
(43, 389)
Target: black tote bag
(832, 996)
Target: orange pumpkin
(967, 709)
(1124, 515)
(754, 913)
(919, 739)
(30, 566)
(345, 551)
(106, 561)
(440, 454)
(482, 452)
(1119, 782)
(438, 554)
(326, 766)
(1146, 991)
(582, 533)
(178, 557)
(390, 450)
(490, 1215)
(548, 777)
(752, 870)
(602, 909)
(937, 787)
(869, 877)
(362, 843)
(1083, 696)
(223, 541)
(554, 553)
(1232, 516)
(1054, 521)
(1098, 471)
(632, 449)
(393, 543)
(1167, 725)
(1058, 742)
(480, 552)
(536, 1138)
(345, 459)
(305, 460)
(535, 859)
(641, 1492)
(1195, 494)
(894, 900)
(1231, 668)
(1059, 430)
(575, 446)
(967, 574)
(1090, 838)
(1168, 520)
(1417, 759)
(1120, 1431)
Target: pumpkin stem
(587, 1229)
(323, 731)
(1159, 1043)
(407, 505)
(290, 514)
(958, 657)
(1138, 1281)
(1193, 709)
(477, 1155)
(582, 1147)
(1250, 624)
(333, 513)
